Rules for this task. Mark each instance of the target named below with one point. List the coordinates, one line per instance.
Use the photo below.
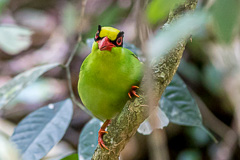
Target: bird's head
(108, 37)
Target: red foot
(101, 132)
(133, 91)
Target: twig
(67, 65)
(125, 125)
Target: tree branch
(125, 125)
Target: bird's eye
(119, 41)
(97, 35)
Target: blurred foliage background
(210, 67)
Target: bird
(109, 76)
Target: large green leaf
(36, 134)
(14, 39)
(88, 139)
(14, 86)
(179, 105)
(225, 15)
(71, 157)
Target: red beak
(105, 44)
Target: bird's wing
(134, 55)
(131, 53)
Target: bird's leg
(133, 91)
(101, 132)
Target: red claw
(101, 132)
(133, 91)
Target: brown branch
(125, 125)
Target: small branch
(72, 54)
(125, 125)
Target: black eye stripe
(115, 43)
(97, 37)
(120, 34)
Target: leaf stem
(209, 133)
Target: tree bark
(125, 125)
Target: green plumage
(105, 79)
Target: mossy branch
(125, 125)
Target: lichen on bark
(125, 125)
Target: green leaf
(14, 39)
(159, 9)
(7, 150)
(71, 157)
(36, 134)
(88, 139)
(225, 15)
(179, 105)
(14, 86)
(175, 32)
